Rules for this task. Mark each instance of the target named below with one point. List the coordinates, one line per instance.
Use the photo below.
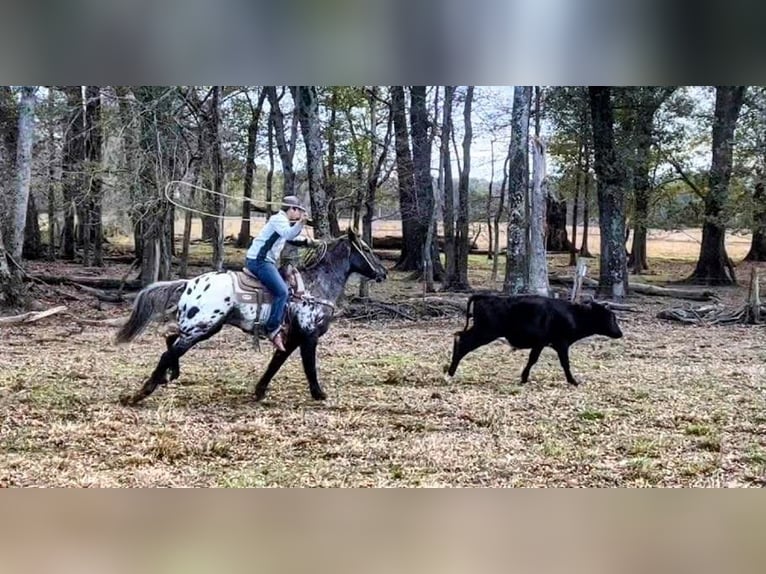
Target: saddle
(249, 290)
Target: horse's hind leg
(177, 345)
(175, 368)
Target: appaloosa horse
(212, 300)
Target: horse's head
(363, 260)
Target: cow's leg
(309, 358)
(465, 342)
(277, 360)
(534, 354)
(563, 351)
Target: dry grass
(667, 405)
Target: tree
(286, 149)
(751, 147)
(12, 290)
(538, 264)
(448, 211)
(757, 250)
(613, 275)
(568, 109)
(92, 236)
(72, 166)
(375, 175)
(409, 260)
(713, 266)
(213, 129)
(308, 115)
(640, 106)
(243, 238)
(458, 281)
(517, 262)
(154, 116)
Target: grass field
(666, 405)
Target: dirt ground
(666, 405)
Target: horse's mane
(312, 257)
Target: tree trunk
(638, 261)
(154, 115)
(374, 176)
(409, 258)
(243, 238)
(218, 201)
(270, 174)
(613, 276)
(517, 260)
(423, 199)
(26, 130)
(308, 116)
(50, 184)
(12, 291)
(538, 265)
(330, 179)
(93, 152)
(32, 236)
(191, 176)
(72, 167)
(285, 152)
(758, 246)
(448, 193)
(575, 201)
(645, 101)
(584, 251)
(459, 280)
(495, 247)
(556, 222)
(713, 266)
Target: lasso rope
(170, 199)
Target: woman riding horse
(262, 259)
(208, 302)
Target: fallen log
(644, 289)
(115, 322)
(30, 317)
(101, 295)
(98, 282)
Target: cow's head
(603, 320)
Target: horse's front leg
(277, 360)
(309, 357)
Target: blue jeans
(267, 272)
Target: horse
(208, 302)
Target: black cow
(532, 322)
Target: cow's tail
(151, 303)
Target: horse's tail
(151, 302)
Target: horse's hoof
(126, 400)
(318, 395)
(258, 396)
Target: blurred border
(363, 42)
(336, 531)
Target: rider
(263, 258)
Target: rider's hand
(304, 217)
